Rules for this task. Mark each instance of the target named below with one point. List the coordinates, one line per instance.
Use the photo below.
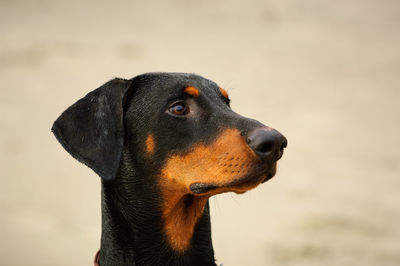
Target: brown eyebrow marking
(224, 93)
(192, 91)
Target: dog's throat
(180, 215)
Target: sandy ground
(325, 73)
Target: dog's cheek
(226, 159)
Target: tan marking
(224, 93)
(226, 159)
(181, 219)
(150, 145)
(192, 91)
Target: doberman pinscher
(163, 144)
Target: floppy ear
(92, 129)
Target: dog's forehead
(171, 83)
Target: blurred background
(324, 73)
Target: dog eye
(179, 109)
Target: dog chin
(239, 185)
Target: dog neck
(134, 227)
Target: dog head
(176, 132)
(182, 123)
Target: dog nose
(267, 143)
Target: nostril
(282, 147)
(265, 147)
(284, 144)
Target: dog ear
(92, 129)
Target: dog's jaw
(226, 164)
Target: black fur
(92, 129)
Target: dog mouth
(239, 185)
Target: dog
(163, 144)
